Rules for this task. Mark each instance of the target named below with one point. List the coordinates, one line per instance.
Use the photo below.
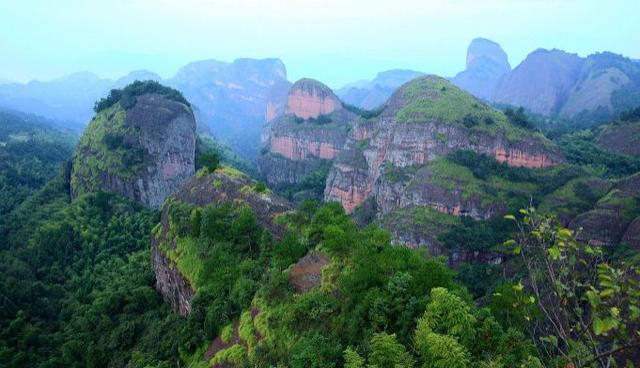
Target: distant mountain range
(547, 82)
(229, 99)
(371, 94)
(553, 82)
(233, 100)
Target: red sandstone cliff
(313, 129)
(389, 159)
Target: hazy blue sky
(336, 41)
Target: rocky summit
(486, 64)
(312, 131)
(140, 146)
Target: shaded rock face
(613, 218)
(555, 82)
(298, 141)
(170, 283)
(632, 235)
(540, 82)
(623, 139)
(214, 189)
(374, 93)
(389, 160)
(277, 100)
(487, 63)
(143, 153)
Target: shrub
(260, 187)
(470, 121)
(127, 96)
(518, 118)
(210, 160)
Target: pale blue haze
(336, 41)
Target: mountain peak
(309, 98)
(486, 64)
(483, 48)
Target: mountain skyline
(356, 40)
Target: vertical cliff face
(309, 98)
(175, 281)
(144, 152)
(312, 130)
(398, 159)
(277, 100)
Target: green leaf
(593, 298)
(564, 232)
(554, 252)
(607, 292)
(602, 326)
(518, 286)
(510, 217)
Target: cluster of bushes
(367, 114)
(631, 115)
(580, 149)
(127, 96)
(322, 119)
(210, 152)
(519, 118)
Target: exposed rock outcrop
(622, 138)
(313, 129)
(487, 63)
(143, 153)
(224, 186)
(309, 98)
(397, 158)
(307, 272)
(632, 235)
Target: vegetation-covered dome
(127, 95)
